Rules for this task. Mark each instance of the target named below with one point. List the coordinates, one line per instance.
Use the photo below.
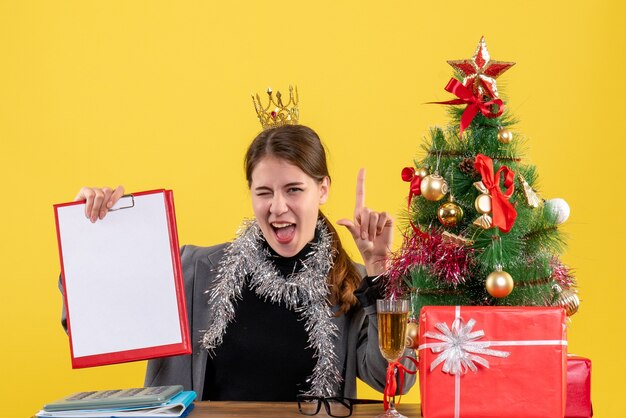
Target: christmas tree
(478, 232)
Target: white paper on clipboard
(122, 281)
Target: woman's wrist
(376, 266)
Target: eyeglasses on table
(337, 407)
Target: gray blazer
(357, 345)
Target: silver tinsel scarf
(305, 292)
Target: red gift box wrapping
(529, 382)
(578, 403)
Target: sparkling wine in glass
(392, 319)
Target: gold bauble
(450, 214)
(482, 204)
(499, 284)
(434, 187)
(569, 300)
(505, 136)
(412, 335)
(421, 172)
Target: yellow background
(155, 94)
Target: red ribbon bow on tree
(474, 104)
(391, 385)
(504, 214)
(409, 175)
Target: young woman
(281, 310)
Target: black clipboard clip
(128, 206)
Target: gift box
(578, 403)
(482, 362)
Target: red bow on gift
(503, 212)
(391, 385)
(474, 104)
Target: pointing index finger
(360, 190)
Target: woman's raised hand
(372, 231)
(98, 200)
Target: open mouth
(284, 231)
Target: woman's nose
(278, 205)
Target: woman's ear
(324, 189)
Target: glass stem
(392, 402)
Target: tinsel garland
(305, 292)
(561, 273)
(448, 262)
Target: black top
(265, 346)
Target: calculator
(117, 398)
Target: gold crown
(280, 114)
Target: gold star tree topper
(480, 71)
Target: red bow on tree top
(503, 212)
(474, 103)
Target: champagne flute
(392, 320)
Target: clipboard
(122, 281)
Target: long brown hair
(301, 146)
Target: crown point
(269, 91)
